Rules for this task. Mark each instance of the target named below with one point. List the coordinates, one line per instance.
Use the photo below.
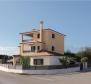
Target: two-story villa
(44, 46)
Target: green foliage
(64, 61)
(25, 60)
(84, 59)
(69, 54)
(80, 56)
(84, 54)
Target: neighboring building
(44, 46)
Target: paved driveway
(72, 78)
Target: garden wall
(19, 70)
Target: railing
(27, 40)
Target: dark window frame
(53, 48)
(38, 48)
(53, 35)
(38, 61)
(38, 35)
(33, 48)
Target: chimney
(41, 31)
(41, 24)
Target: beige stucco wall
(57, 42)
(35, 36)
(27, 47)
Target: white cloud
(9, 50)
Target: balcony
(30, 37)
(32, 47)
(27, 40)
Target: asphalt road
(72, 78)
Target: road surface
(72, 78)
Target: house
(44, 46)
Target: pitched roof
(35, 30)
(52, 53)
(54, 31)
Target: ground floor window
(38, 61)
(38, 47)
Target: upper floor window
(32, 35)
(32, 48)
(38, 35)
(53, 35)
(53, 48)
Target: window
(53, 48)
(33, 49)
(38, 47)
(38, 35)
(32, 35)
(53, 35)
(38, 61)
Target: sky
(70, 17)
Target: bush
(64, 61)
(25, 61)
(84, 59)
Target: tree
(84, 53)
(4, 58)
(69, 54)
(71, 57)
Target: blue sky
(72, 18)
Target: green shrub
(84, 59)
(25, 60)
(64, 61)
